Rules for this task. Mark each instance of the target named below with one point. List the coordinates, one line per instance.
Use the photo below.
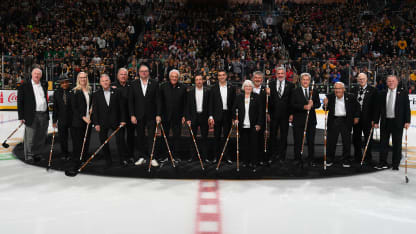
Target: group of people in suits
(141, 106)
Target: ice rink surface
(34, 201)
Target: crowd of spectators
(336, 42)
(67, 36)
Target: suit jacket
(62, 112)
(401, 111)
(298, 100)
(26, 102)
(280, 106)
(124, 95)
(108, 116)
(352, 109)
(215, 104)
(190, 111)
(262, 101)
(172, 101)
(256, 115)
(369, 104)
(144, 106)
(79, 107)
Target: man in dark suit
(172, 101)
(62, 115)
(220, 116)
(32, 108)
(260, 90)
(280, 92)
(304, 100)
(122, 85)
(343, 113)
(108, 115)
(144, 111)
(393, 111)
(366, 98)
(196, 114)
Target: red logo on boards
(12, 98)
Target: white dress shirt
(87, 100)
(390, 113)
(246, 122)
(278, 84)
(40, 97)
(144, 86)
(257, 90)
(340, 107)
(199, 96)
(107, 95)
(223, 91)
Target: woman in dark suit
(250, 119)
(81, 105)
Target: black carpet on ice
(185, 170)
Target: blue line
(2, 122)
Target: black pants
(309, 141)
(358, 129)
(248, 145)
(223, 126)
(278, 146)
(78, 139)
(103, 135)
(261, 155)
(173, 140)
(63, 133)
(201, 122)
(339, 126)
(144, 143)
(390, 128)
(128, 142)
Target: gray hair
(36, 68)
(305, 74)
(247, 82)
(281, 68)
(104, 75)
(341, 83)
(174, 70)
(122, 69)
(362, 74)
(258, 73)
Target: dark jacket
(108, 116)
(62, 113)
(280, 106)
(256, 115)
(215, 104)
(401, 111)
(172, 101)
(26, 102)
(368, 109)
(352, 109)
(298, 100)
(190, 111)
(147, 106)
(79, 107)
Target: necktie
(64, 97)
(306, 94)
(279, 92)
(390, 106)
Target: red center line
(208, 216)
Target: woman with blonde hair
(81, 105)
